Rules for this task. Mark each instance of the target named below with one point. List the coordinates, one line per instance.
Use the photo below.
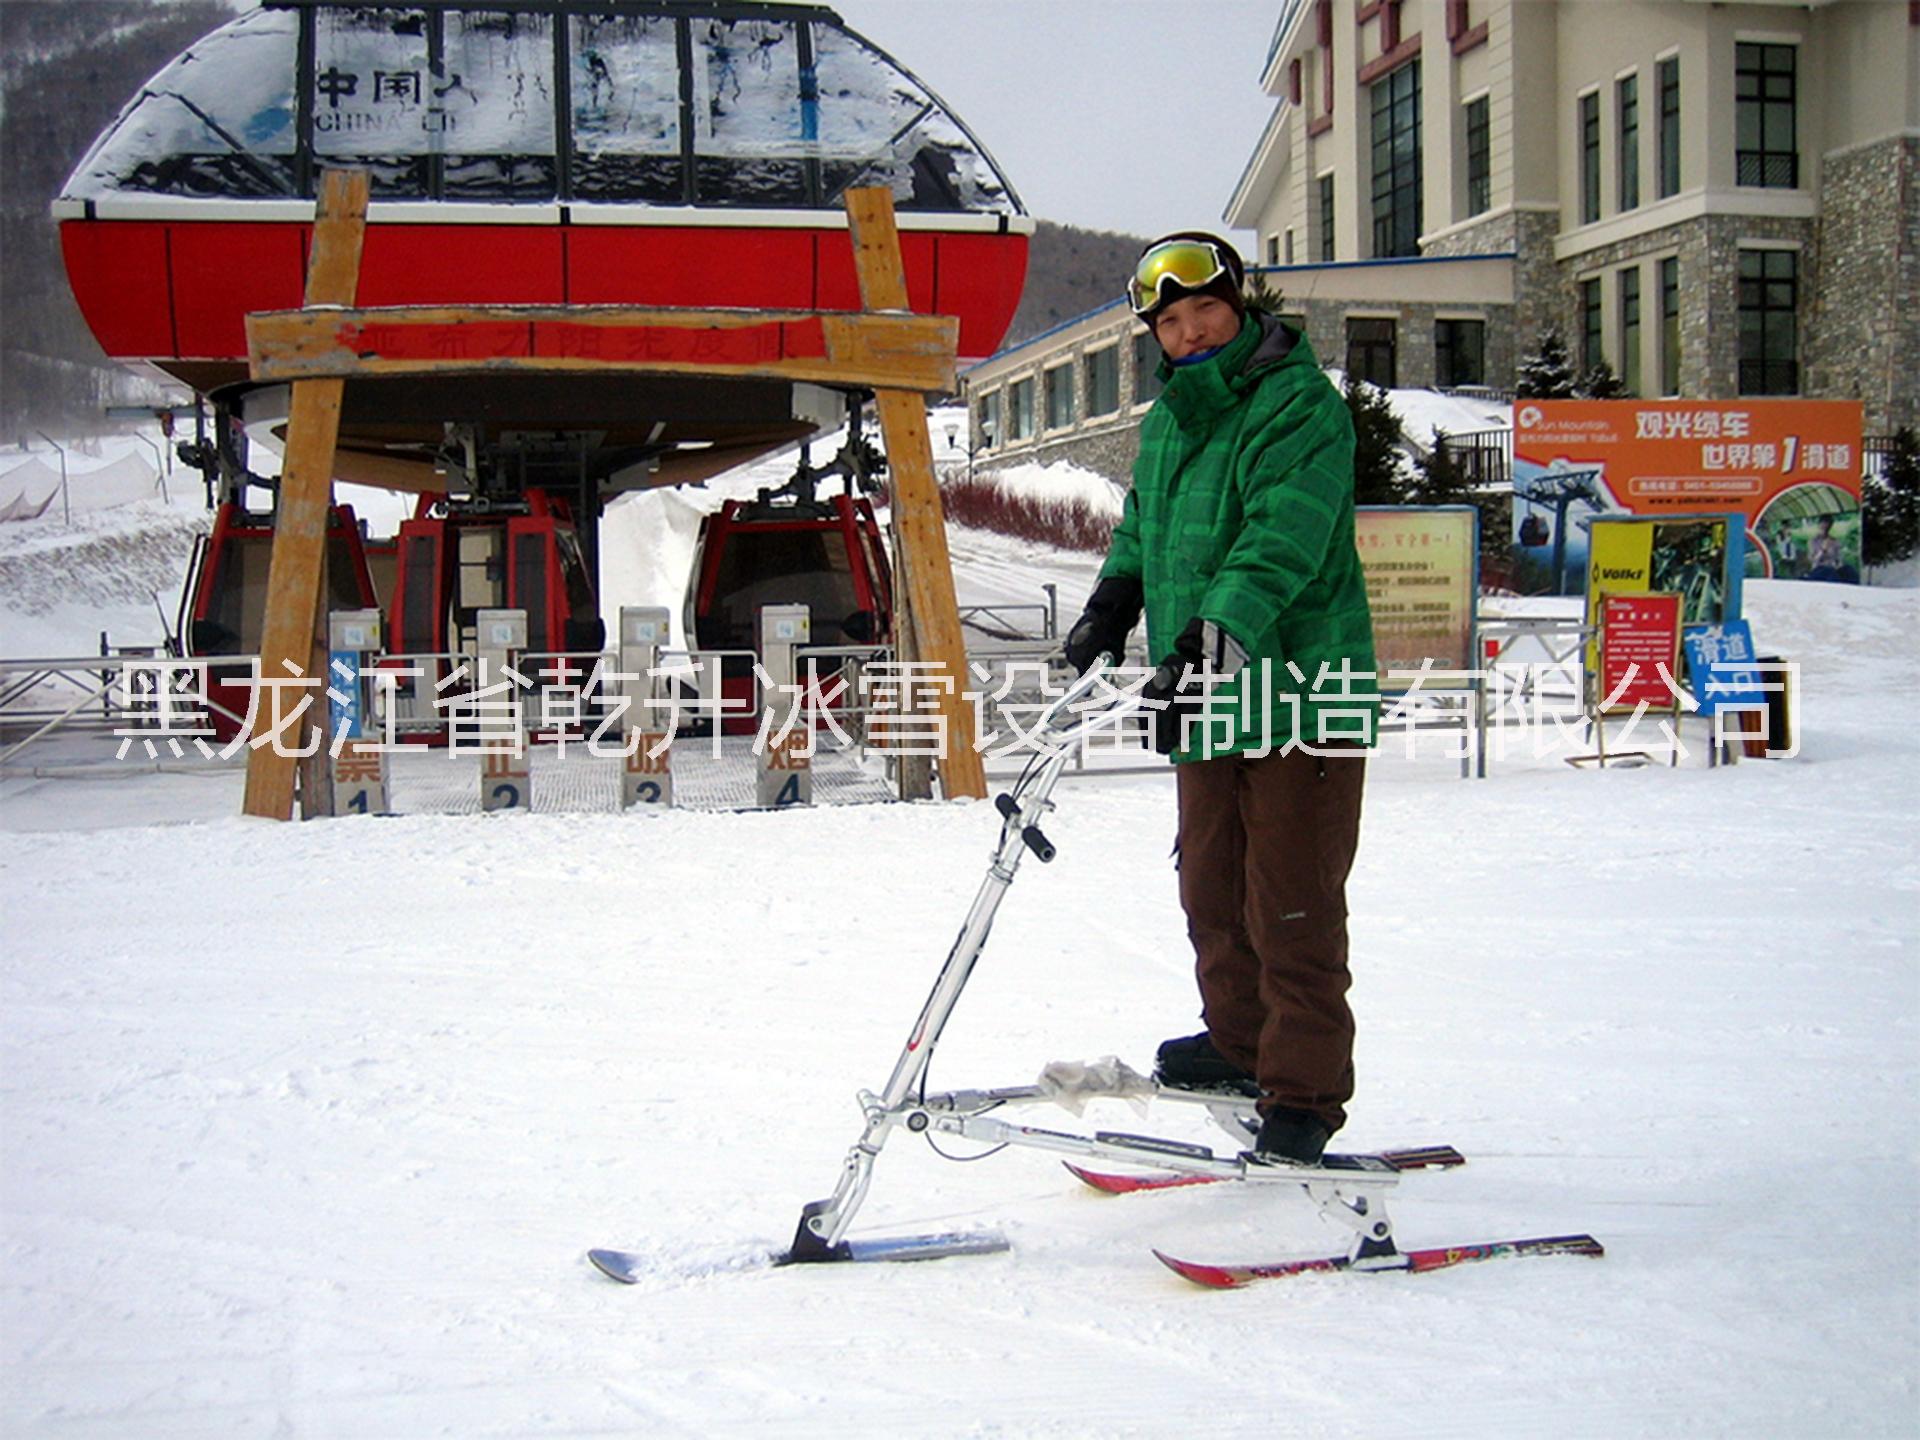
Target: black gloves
(1102, 629)
(1203, 648)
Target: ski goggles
(1190, 264)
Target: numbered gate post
(648, 779)
(359, 768)
(506, 775)
(784, 774)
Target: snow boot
(1291, 1137)
(1191, 1063)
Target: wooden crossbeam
(918, 516)
(885, 348)
(296, 572)
(911, 352)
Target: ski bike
(1349, 1189)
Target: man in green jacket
(1237, 541)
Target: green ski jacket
(1241, 513)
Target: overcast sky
(1130, 115)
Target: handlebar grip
(1041, 847)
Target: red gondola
(788, 547)
(223, 602)
(454, 559)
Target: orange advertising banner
(1789, 468)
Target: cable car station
(520, 257)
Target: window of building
(1589, 158)
(1669, 127)
(1273, 249)
(1289, 245)
(1146, 369)
(1370, 351)
(1459, 352)
(1479, 158)
(1326, 216)
(1592, 351)
(1670, 325)
(1396, 162)
(1626, 95)
(1103, 381)
(1766, 148)
(990, 432)
(1020, 409)
(1769, 298)
(1059, 397)
(1630, 329)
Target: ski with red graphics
(1231, 1277)
(1422, 1158)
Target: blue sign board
(1721, 662)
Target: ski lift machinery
(1349, 1190)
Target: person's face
(1195, 323)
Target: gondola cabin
(454, 560)
(224, 599)
(787, 548)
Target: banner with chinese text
(1789, 468)
(1422, 570)
(1639, 652)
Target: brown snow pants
(1265, 848)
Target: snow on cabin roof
(782, 106)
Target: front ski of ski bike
(821, 1233)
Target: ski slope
(307, 1127)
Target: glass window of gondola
(459, 104)
(220, 120)
(376, 100)
(751, 133)
(625, 86)
(776, 566)
(495, 99)
(876, 126)
(465, 103)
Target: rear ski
(1232, 1277)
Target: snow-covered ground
(307, 1127)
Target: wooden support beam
(296, 572)
(918, 517)
(913, 352)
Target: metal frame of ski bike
(1348, 1189)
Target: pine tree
(1379, 469)
(1261, 295)
(1548, 373)
(1438, 478)
(1890, 504)
(1600, 383)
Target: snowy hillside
(307, 1127)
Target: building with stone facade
(1716, 199)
